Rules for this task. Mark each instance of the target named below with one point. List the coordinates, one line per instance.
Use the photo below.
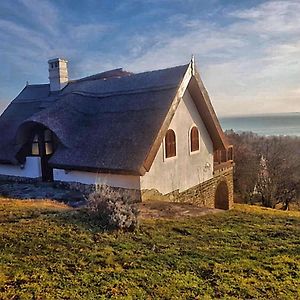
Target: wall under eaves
(88, 182)
(90, 178)
(31, 169)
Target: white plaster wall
(186, 169)
(32, 168)
(123, 181)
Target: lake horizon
(287, 124)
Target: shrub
(114, 209)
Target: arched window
(194, 139)
(170, 143)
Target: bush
(114, 209)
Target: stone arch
(222, 195)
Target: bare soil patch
(171, 210)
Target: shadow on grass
(81, 218)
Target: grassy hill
(49, 251)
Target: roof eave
(207, 112)
(95, 170)
(6, 162)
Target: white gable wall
(186, 169)
(31, 168)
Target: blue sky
(247, 51)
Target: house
(154, 134)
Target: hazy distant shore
(264, 124)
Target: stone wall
(11, 178)
(131, 195)
(203, 194)
(85, 189)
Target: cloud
(3, 104)
(206, 41)
(249, 58)
(44, 14)
(270, 18)
(83, 32)
(27, 43)
(249, 64)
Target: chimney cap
(56, 60)
(58, 74)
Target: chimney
(58, 74)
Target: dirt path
(171, 210)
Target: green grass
(48, 251)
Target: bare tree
(246, 164)
(280, 183)
(269, 166)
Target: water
(269, 124)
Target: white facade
(186, 169)
(123, 181)
(31, 169)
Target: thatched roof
(107, 122)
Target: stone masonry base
(214, 193)
(204, 194)
(130, 195)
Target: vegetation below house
(49, 251)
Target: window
(48, 142)
(35, 145)
(194, 139)
(42, 143)
(170, 143)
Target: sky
(247, 51)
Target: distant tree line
(267, 168)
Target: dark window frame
(170, 144)
(42, 142)
(194, 139)
(35, 142)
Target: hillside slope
(49, 251)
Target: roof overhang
(94, 170)
(6, 162)
(205, 108)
